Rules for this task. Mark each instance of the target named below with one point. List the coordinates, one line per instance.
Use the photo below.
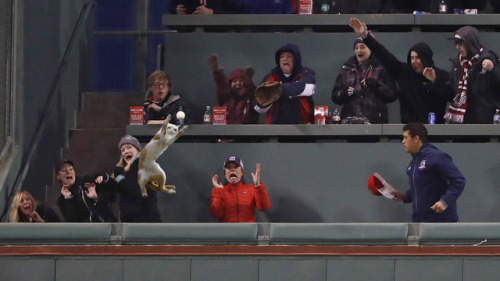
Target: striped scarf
(458, 106)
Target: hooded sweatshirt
(483, 88)
(418, 96)
(239, 108)
(296, 105)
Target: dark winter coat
(294, 106)
(169, 106)
(370, 101)
(80, 208)
(483, 88)
(417, 95)
(134, 207)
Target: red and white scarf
(458, 106)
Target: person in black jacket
(81, 200)
(163, 102)
(476, 80)
(423, 88)
(133, 207)
(363, 87)
(25, 208)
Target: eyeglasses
(158, 85)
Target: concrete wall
(260, 268)
(323, 182)
(45, 30)
(186, 58)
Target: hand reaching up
(213, 61)
(358, 26)
(256, 175)
(215, 182)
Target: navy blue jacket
(296, 105)
(433, 177)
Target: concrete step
(111, 101)
(107, 110)
(94, 150)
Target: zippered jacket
(237, 202)
(433, 177)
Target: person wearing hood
(295, 105)
(423, 88)
(235, 92)
(435, 181)
(163, 102)
(476, 80)
(235, 201)
(363, 87)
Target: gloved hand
(118, 171)
(371, 83)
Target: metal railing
(54, 91)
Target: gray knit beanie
(128, 139)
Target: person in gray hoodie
(476, 80)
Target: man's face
(159, 88)
(286, 62)
(128, 152)
(66, 175)
(460, 46)
(237, 86)
(362, 52)
(410, 143)
(416, 63)
(233, 172)
(26, 205)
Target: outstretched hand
(430, 74)
(358, 26)
(248, 73)
(256, 175)
(398, 196)
(213, 61)
(215, 182)
(90, 191)
(65, 191)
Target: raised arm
(388, 60)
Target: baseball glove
(268, 92)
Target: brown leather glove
(268, 92)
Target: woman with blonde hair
(133, 207)
(25, 208)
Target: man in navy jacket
(435, 181)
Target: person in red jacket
(235, 201)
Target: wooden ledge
(233, 250)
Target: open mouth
(27, 208)
(128, 157)
(233, 176)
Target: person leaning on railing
(25, 208)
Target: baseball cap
(457, 38)
(378, 186)
(128, 139)
(61, 163)
(234, 159)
